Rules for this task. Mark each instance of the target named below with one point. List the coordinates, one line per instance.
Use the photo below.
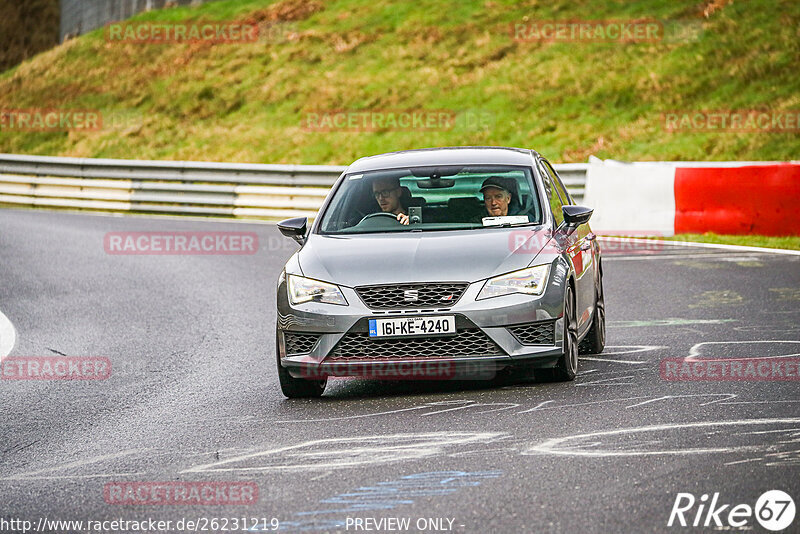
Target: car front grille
(539, 333)
(470, 342)
(297, 343)
(418, 296)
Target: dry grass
(246, 102)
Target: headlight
(307, 290)
(530, 281)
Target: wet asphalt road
(193, 396)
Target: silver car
(444, 263)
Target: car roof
(461, 155)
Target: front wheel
(595, 340)
(567, 366)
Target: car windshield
(433, 198)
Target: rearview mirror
(429, 172)
(436, 183)
(576, 215)
(294, 228)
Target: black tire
(567, 366)
(595, 340)
(298, 387)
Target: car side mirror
(576, 215)
(294, 228)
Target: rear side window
(552, 196)
(562, 191)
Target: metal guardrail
(82, 16)
(184, 187)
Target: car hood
(455, 256)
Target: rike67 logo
(774, 510)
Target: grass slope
(246, 102)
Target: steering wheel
(380, 214)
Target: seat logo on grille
(411, 295)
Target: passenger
(496, 196)
(387, 192)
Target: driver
(387, 193)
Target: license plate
(412, 326)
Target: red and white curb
(667, 198)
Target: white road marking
(540, 406)
(695, 352)
(458, 404)
(506, 406)
(765, 432)
(8, 336)
(743, 461)
(481, 451)
(323, 475)
(338, 453)
(77, 463)
(345, 417)
(593, 359)
(632, 350)
(727, 396)
(703, 245)
(560, 446)
(602, 382)
(69, 477)
(754, 259)
(635, 348)
(790, 329)
(700, 256)
(537, 407)
(467, 404)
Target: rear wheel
(595, 340)
(567, 366)
(298, 387)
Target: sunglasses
(383, 193)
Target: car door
(579, 248)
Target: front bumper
(316, 340)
